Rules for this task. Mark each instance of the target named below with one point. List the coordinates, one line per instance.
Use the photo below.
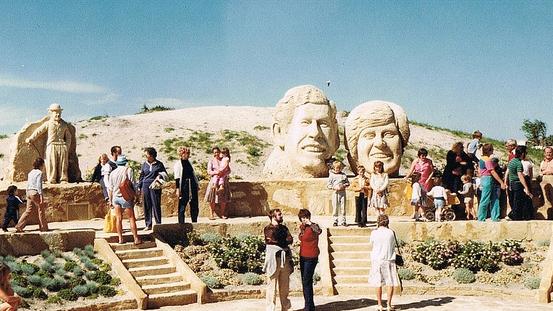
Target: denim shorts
(121, 202)
(439, 203)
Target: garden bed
(474, 267)
(54, 280)
(231, 266)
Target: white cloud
(59, 86)
(13, 117)
(167, 102)
(106, 99)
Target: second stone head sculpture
(377, 131)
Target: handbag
(399, 258)
(127, 189)
(110, 222)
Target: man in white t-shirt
(383, 266)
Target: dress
(211, 195)
(383, 255)
(379, 183)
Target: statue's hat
(55, 107)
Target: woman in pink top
(214, 167)
(424, 166)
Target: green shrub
(100, 277)
(45, 253)
(115, 282)
(38, 293)
(24, 292)
(512, 257)
(107, 291)
(211, 282)
(97, 261)
(210, 237)
(104, 266)
(406, 274)
(36, 280)
(246, 255)
(543, 243)
(77, 271)
(76, 282)
(90, 266)
(69, 265)
(50, 259)
(67, 294)
(28, 268)
(92, 287)
(463, 276)
(80, 290)
(316, 278)
(13, 265)
(532, 282)
(251, 278)
(55, 284)
(468, 257)
(54, 299)
(436, 254)
(19, 280)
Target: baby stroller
(448, 214)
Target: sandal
(138, 242)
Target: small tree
(535, 131)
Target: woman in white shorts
(383, 266)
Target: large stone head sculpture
(377, 131)
(305, 133)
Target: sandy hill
(244, 130)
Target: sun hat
(121, 160)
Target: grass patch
(99, 118)
(168, 129)
(261, 128)
(3, 136)
(83, 136)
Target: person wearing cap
(116, 178)
(57, 145)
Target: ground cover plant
(55, 278)
(509, 263)
(221, 261)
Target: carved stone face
(310, 136)
(55, 115)
(377, 131)
(380, 143)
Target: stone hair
(362, 117)
(297, 96)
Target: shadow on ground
(433, 302)
(351, 304)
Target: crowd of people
(115, 176)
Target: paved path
(338, 303)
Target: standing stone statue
(305, 133)
(50, 138)
(376, 131)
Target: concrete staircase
(155, 274)
(350, 262)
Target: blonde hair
(337, 165)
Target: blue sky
(460, 64)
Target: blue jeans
(307, 269)
(489, 199)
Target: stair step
(343, 263)
(145, 262)
(159, 278)
(349, 239)
(351, 255)
(139, 253)
(334, 231)
(157, 301)
(351, 279)
(153, 270)
(129, 246)
(352, 271)
(166, 288)
(338, 247)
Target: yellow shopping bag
(110, 221)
